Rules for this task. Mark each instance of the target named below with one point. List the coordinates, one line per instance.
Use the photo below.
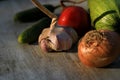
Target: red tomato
(75, 17)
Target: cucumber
(31, 34)
(32, 14)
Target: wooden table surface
(27, 62)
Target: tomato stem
(70, 1)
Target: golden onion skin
(99, 48)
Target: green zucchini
(105, 14)
(32, 14)
(31, 34)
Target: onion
(99, 48)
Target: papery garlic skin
(44, 45)
(43, 41)
(59, 39)
(72, 33)
(43, 35)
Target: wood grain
(27, 62)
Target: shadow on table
(72, 50)
(114, 65)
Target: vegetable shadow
(73, 49)
(2, 0)
(33, 43)
(114, 65)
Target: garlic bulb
(72, 33)
(43, 41)
(58, 39)
(55, 38)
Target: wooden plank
(27, 62)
